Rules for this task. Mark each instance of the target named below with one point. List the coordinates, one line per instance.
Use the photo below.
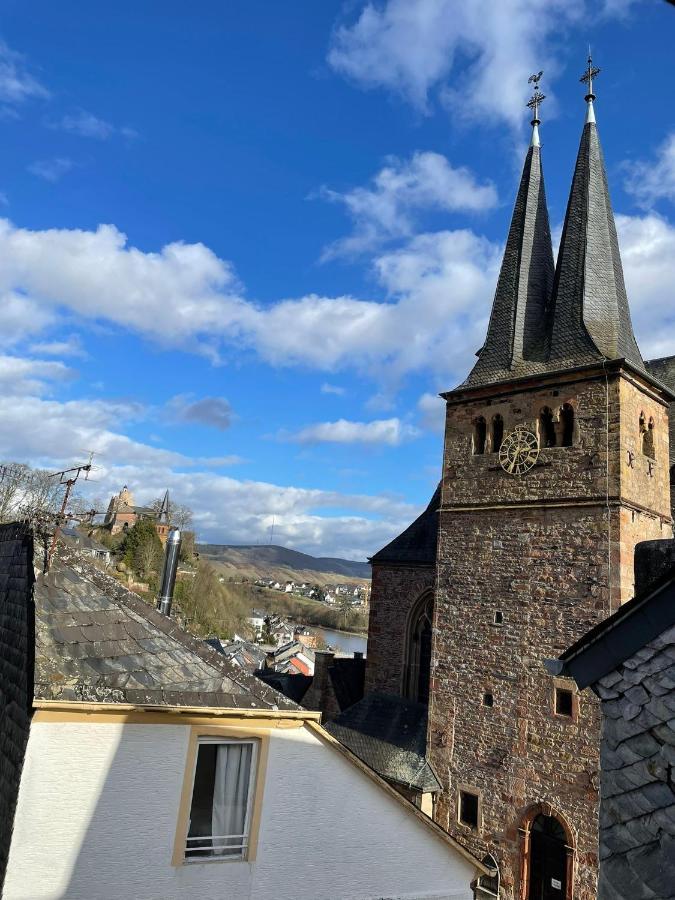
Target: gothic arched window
(546, 428)
(497, 432)
(567, 423)
(479, 435)
(418, 649)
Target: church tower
(555, 466)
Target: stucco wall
(97, 811)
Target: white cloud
(20, 375)
(648, 253)
(21, 316)
(86, 124)
(71, 346)
(51, 169)
(652, 180)
(412, 47)
(432, 412)
(332, 389)
(387, 209)
(226, 509)
(380, 431)
(439, 286)
(17, 84)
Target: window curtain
(230, 797)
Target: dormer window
(479, 435)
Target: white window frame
(246, 836)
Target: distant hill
(281, 563)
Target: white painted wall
(97, 810)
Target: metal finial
(588, 76)
(533, 104)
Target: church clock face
(519, 451)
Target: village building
(138, 762)
(123, 513)
(556, 465)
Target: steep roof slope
(97, 641)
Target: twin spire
(547, 318)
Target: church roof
(546, 321)
(590, 314)
(416, 546)
(516, 341)
(389, 734)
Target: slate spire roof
(542, 322)
(590, 314)
(516, 341)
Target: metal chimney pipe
(171, 555)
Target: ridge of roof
(516, 341)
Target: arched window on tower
(497, 432)
(418, 650)
(479, 435)
(546, 428)
(567, 423)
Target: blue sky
(244, 245)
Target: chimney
(169, 574)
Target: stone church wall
(395, 590)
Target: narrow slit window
(488, 700)
(567, 423)
(479, 435)
(546, 428)
(468, 808)
(499, 617)
(497, 433)
(220, 811)
(564, 702)
(648, 437)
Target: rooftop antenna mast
(67, 477)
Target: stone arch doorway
(547, 855)
(417, 669)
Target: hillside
(282, 564)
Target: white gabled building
(154, 768)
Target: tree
(345, 607)
(25, 491)
(180, 515)
(142, 547)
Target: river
(344, 641)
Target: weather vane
(536, 97)
(588, 76)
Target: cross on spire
(533, 104)
(588, 76)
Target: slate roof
(579, 316)
(416, 546)
(590, 315)
(516, 341)
(97, 641)
(388, 734)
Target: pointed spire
(516, 338)
(590, 315)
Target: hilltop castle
(556, 464)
